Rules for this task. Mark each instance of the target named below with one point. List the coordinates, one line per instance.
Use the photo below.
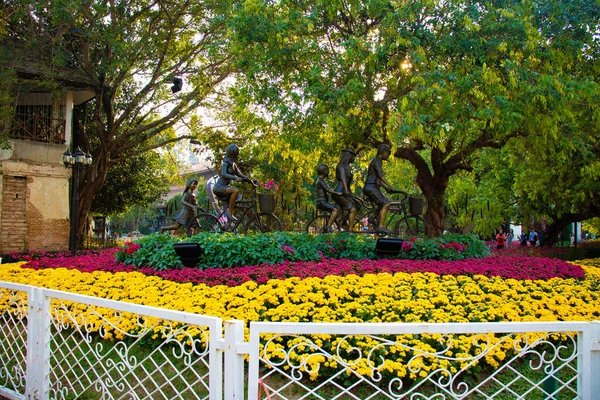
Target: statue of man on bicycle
(373, 184)
(344, 177)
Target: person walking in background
(533, 237)
(365, 224)
(523, 239)
(500, 239)
(509, 238)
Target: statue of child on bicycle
(322, 192)
(230, 172)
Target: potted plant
(266, 196)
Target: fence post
(38, 346)
(234, 362)
(595, 359)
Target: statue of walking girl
(186, 215)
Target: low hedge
(230, 250)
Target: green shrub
(447, 247)
(229, 250)
(155, 251)
(236, 250)
(590, 248)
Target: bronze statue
(229, 172)
(186, 215)
(322, 192)
(375, 180)
(344, 176)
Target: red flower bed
(516, 267)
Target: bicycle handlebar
(402, 192)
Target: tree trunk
(91, 180)
(435, 214)
(433, 185)
(558, 224)
(552, 232)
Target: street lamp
(77, 160)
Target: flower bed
(227, 250)
(515, 267)
(372, 297)
(503, 287)
(419, 296)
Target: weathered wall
(34, 152)
(13, 227)
(35, 207)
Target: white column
(68, 117)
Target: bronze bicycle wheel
(262, 223)
(205, 222)
(410, 226)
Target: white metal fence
(61, 345)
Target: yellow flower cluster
(402, 297)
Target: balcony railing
(38, 128)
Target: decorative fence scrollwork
(324, 362)
(126, 356)
(13, 329)
(62, 345)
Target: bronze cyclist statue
(344, 176)
(229, 172)
(375, 181)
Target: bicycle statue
(236, 214)
(378, 213)
(381, 216)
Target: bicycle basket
(416, 205)
(266, 202)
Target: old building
(34, 184)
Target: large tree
(132, 50)
(137, 181)
(441, 80)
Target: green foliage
(439, 80)
(592, 226)
(137, 218)
(484, 199)
(138, 180)
(276, 247)
(230, 250)
(447, 247)
(154, 250)
(129, 52)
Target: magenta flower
(287, 249)
(515, 267)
